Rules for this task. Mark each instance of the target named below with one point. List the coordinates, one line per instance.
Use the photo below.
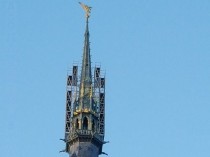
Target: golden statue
(86, 8)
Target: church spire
(85, 105)
(86, 76)
(85, 90)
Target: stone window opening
(77, 124)
(85, 123)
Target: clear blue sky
(156, 54)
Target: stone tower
(85, 105)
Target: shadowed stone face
(84, 149)
(74, 155)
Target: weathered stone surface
(84, 149)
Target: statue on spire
(87, 9)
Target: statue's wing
(86, 8)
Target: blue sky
(156, 55)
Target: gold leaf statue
(87, 9)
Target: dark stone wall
(84, 149)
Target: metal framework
(72, 90)
(72, 94)
(99, 89)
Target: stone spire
(85, 90)
(85, 112)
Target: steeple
(85, 106)
(86, 76)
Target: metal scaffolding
(99, 90)
(72, 91)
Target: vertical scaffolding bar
(68, 106)
(102, 114)
(99, 89)
(71, 95)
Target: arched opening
(85, 123)
(77, 124)
(93, 125)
